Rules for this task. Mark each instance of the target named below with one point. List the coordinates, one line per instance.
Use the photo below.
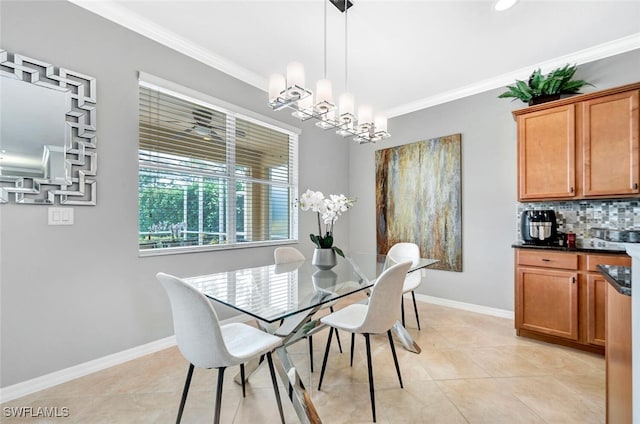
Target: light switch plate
(60, 216)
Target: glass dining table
(283, 299)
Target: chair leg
(216, 418)
(337, 335)
(187, 383)
(310, 338)
(370, 369)
(244, 394)
(353, 344)
(275, 386)
(395, 357)
(402, 309)
(415, 308)
(326, 355)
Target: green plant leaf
(316, 240)
(557, 81)
(338, 251)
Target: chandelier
(291, 93)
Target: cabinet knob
(546, 260)
(635, 186)
(573, 280)
(571, 190)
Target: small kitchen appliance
(539, 227)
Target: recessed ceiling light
(501, 5)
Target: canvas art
(419, 199)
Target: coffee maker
(539, 227)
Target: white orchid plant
(328, 210)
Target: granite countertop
(618, 276)
(567, 249)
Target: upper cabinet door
(610, 145)
(546, 154)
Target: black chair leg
(353, 344)
(310, 338)
(187, 383)
(395, 357)
(415, 308)
(326, 355)
(337, 335)
(402, 309)
(216, 418)
(275, 386)
(370, 369)
(244, 394)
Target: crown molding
(600, 51)
(121, 16)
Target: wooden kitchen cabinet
(618, 358)
(610, 137)
(560, 297)
(546, 153)
(548, 301)
(582, 147)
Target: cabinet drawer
(547, 259)
(594, 260)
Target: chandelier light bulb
(346, 104)
(295, 74)
(380, 123)
(324, 92)
(365, 114)
(277, 84)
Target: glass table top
(273, 292)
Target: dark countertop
(566, 249)
(618, 276)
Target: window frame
(232, 112)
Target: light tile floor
(472, 369)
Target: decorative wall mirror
(47, 133)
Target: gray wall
(73, 294)
(488, 183)
(77, 293)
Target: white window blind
(210, 177)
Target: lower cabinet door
(548, 302)
(596, 301)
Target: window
(211, 177)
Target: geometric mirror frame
(48, 133)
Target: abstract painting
(419, 199)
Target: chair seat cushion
(246, 342)
(349, 318)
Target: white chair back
(286, 254)
(196, 324)
(384, 304)
(401, 252)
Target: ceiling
(402, 55)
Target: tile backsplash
(578, 216)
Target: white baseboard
(58, 377)
(502, 313)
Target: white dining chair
(207, 344)
(286, 255)
(378, 316)
(401, 252)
